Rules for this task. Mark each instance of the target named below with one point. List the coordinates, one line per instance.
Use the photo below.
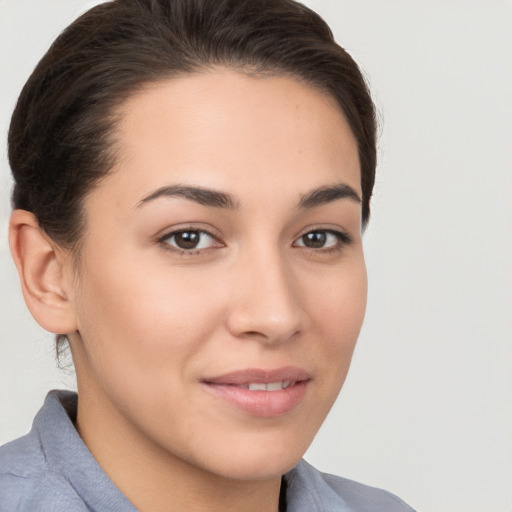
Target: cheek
(144, 321)
(143, 334)
(336, 311)
(338, 304)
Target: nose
(265, 303)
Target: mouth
(270, 386)
(264, 393)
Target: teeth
(274, 386)
(257, 387)
(271, 386)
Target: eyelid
(187, 226)
(343, 236)
(176, 230)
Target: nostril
(269, 336)
(253, 333)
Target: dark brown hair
(60, 138)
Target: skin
(148, 322)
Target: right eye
(189, 240)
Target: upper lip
(259, 375)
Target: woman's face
(222, 285)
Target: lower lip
(266, 404)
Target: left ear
(45, 273)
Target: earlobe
(43, 274)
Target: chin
(256, 459)
(258, 468)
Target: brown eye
(323, 239)
(189, 240)
(315, 239)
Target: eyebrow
(324, 195)
(217, 199)
(201, 195)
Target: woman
(191, 183)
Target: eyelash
(343, 240)
(164, 241)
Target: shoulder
(27, 482)
(311, 490)
(51, 469)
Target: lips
(264, 393)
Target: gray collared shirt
(51, 470)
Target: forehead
(229, 130)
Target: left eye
(320, 239)
(189, 240)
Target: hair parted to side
(62, 133)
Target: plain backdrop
(426, 411)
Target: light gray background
(427, 409)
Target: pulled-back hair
(61, 133)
